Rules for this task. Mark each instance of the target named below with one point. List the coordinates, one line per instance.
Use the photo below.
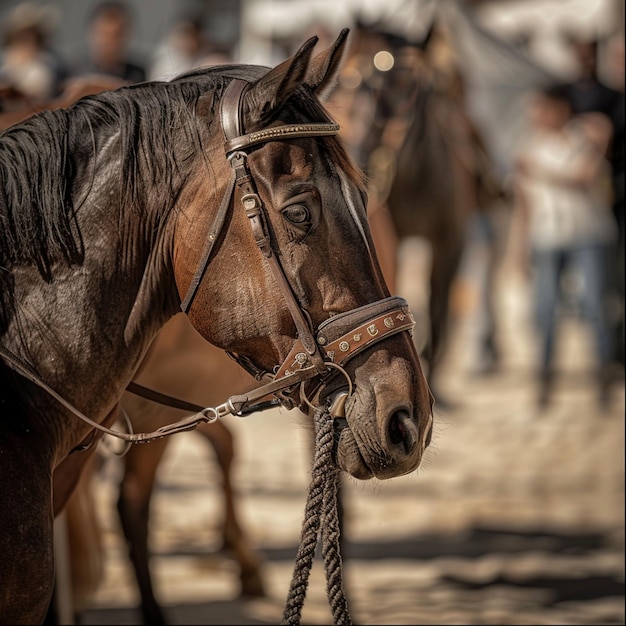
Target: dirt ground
(515, 517)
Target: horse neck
(85, 332)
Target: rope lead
(321, 521)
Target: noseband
(314, 354)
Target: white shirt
(563, 213)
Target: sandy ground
(515, 517)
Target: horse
(224, 193)
(179, 362)
(428, 167)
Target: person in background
(185, 48)
(564, 221)
(109, 30)
(29, 69)
(589, 93)
(32, 76)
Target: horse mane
(39, 163)
(44, 162)
(35, 201)
(337, 156)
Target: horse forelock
(306, 105)
(333, 148)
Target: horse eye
(297, 214)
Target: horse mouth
(347, 452)
(376, 460)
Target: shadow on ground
(546, 569)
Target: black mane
(45, 162)
(40, 161)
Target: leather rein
(314, 355)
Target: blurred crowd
(566, 194)
(33, 75)
(569, 196)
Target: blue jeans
(590, 262)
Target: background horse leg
(385, 241)
(85, 540)
(235, 540)
(78, 552)
(446, 260)
(136, 488)
(133, 506)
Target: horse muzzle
(381, 433)
(383, 410)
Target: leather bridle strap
(254, 211)
(235, 143)
(214, 231)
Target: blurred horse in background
(428, 168)
(180, 363)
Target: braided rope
(331, 552)
(320, 512)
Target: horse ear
(324, 68)
(271, 91)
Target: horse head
(289, 280)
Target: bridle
(312, 352)
(316, 356)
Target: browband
(286, 131)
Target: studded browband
(286, 131)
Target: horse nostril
(401, 431)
